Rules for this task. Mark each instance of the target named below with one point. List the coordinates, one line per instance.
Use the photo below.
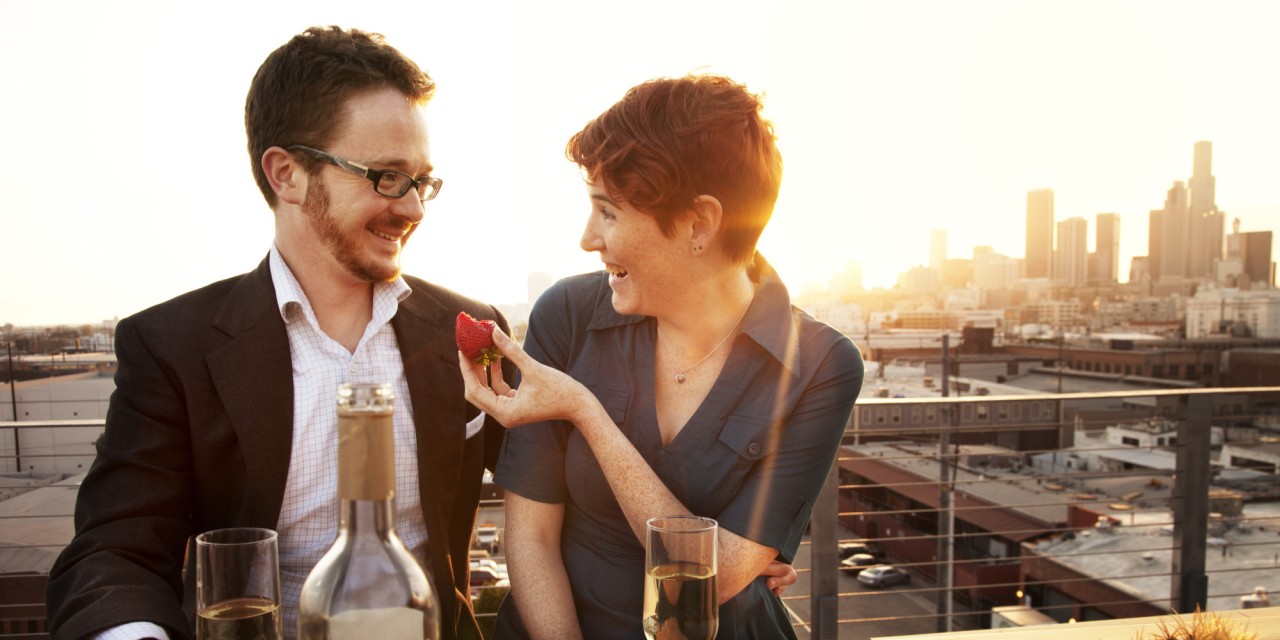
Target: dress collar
(769, 320)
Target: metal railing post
(1191, 505)
(823, 561)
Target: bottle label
(366, 455)
(384, 624)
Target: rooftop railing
(998, 509)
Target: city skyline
(893, 119)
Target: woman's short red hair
(672, 139)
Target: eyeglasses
(387, 182)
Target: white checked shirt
(309, 516)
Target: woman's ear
(286, 177)
(706, 219)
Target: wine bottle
(368, 585)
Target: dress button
(754, 448)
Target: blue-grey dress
(753, 456)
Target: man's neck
(342, 304)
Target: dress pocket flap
(747, 435)
(613, 401)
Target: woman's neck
(706, 312)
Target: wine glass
(681, 601)
(238, 585)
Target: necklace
(732, 330)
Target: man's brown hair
(298, 94)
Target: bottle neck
(367, 518)
(366, 473)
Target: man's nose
(410, 207)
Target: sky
(124, 179)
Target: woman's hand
(544, 393)
(781, 575)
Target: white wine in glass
(681, 601)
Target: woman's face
(645, 266)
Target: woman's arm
(548, 394)
(539, 583)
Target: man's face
(363, 232)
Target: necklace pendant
(680, 378)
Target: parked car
(487, 537)
(858, 546)
(486, 571)
(857, 562)
(884, 575)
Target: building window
(982, 412)
(967, 413)
(1173, 371)
(896, 415)
(930, 415)
(1208, 370)
(1157, 371)
(1017, 411)
(1002, 411)
(879, 415)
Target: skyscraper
(1072, 255)
(1256, 253)
(1039, 260)
(937, 249)
(1205, 223)
(1176, 233)
(1106, 264)
(1155, 244)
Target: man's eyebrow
(604, 198)
(399, 164)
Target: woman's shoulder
(573, 300)
(820, 339)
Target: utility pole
(13, 401)
(946, 497)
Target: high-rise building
(1072, 255)
(1202, 183)
(1205, 223)
(1176, 232)
(937, 249)
(1039, 257)
(1155, 244)
(1255, 252)
(1104, 267)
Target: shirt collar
(289, 294)
(769, 321)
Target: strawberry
(475, 339)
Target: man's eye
(392, 180)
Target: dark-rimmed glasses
(387, 182)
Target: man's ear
(706, 218)
(286, 177)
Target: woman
(679, 380)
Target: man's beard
(344, 249)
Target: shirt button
(754, 448)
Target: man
(224, 410)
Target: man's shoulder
(200, 302)
(441, 304)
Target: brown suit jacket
(198, 437)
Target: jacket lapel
(431, 370)
(253, 374)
